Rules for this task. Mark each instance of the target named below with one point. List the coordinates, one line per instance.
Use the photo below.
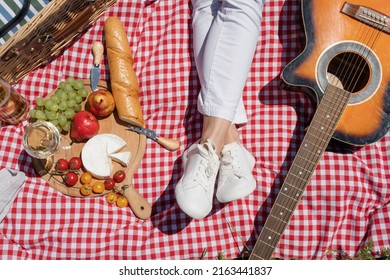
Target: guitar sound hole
(349, 71)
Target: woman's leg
(225, 38)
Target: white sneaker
(235, 178)
(195, 189)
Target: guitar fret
(333, 104)
(315, 153)
(254, 256)
(269, 237)
(341, 96)
(326, 121)
(320, 131)
(328, 108)
(304, 158)
(283, 207)
(283, 217)
(298, 190)
(287, 197)
(316, 131)
(322, 124)
(299, 173)
(267, 244)
(282, 213)
(294, 186)
(273, 231)
(312, 147)
(262, 250)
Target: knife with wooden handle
(138, 204)
(97, 51)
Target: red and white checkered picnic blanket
(345, 204)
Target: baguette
(123, 79)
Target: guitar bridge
(368, 16)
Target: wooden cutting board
(136, 144)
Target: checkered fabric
(345, 204)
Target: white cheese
(122, 158)
(96, 154)
(114, 143)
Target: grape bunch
(60, 107)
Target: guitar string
(376, 35)
(292, 203)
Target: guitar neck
(316, 140)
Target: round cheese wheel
(96, 154)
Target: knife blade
(97, 51)
(169, 144)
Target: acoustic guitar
(345, 65)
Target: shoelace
(206, 170)
(230, 165)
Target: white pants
(225, 35)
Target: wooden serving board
(136, 144)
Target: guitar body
(344, 51)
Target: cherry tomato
(86, 178)
(122, 201)
(62, 164)
(98, 187)
(75, 163)
(111, 197)
(86, 189)
(70, 178)
(119, 176)
(109, 183)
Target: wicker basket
(47, 35)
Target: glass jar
(13, 107)
(41, 139)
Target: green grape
(78, 99)
(48, 114)
(62, 120)
(54, 116)
(40, 101)
(77, 108)
(70, 80)
(48, 104)
(55, 99)
(40, 115)
(82, 92)
(62, 95)
(54, 107)
(32, 113)
(63, 105)
(55, 122)
(69, 113)
(68, 87)
(62, 84)
(78, 84)
(66, 127)
(72, 94)
(71, 103)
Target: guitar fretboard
(317, 138)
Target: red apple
(101, 103)
(84, 126)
